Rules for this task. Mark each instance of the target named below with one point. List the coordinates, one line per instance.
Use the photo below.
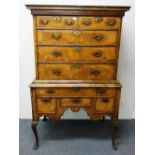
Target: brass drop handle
(69, 21)
(76, 100)
(56, 53)
(95, 72)
(111, 22)
(97, 53)
(46, 100)
(105, 100)
(98, 37)
(50, 91)
(44, 21)
(57, 71)
(87, 22)
(101, 90)
(98, 19)
(56, 35)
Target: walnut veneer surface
(76, 59)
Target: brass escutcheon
(56, 19)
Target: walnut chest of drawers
(76, 59)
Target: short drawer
(66, 54)
(76, 71)
(101, 91)
(99, 22)
(76, 102)
(57, 22)
(104, 105)
(46, 105)
(77, 37)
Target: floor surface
(77, 137)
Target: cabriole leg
(114, 133)
(34, 129)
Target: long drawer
(76, 71)
(75, 91)
(77, 37)
(93, 54)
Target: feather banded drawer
(76, 59)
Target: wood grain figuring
(76, 102)
(46, 105)
(76, 58)
(66, 91)
(70, 54)
(77, 71)
(77, 37)
(75, 91)
(104, 105)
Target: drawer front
(76, 102)
(104, 105)
(74, 91)
(53, 71)
(57, 22)
(94, 54)
(77, 37)
(76, 71)
(99, 22)
(110, 92)
(46, 105)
